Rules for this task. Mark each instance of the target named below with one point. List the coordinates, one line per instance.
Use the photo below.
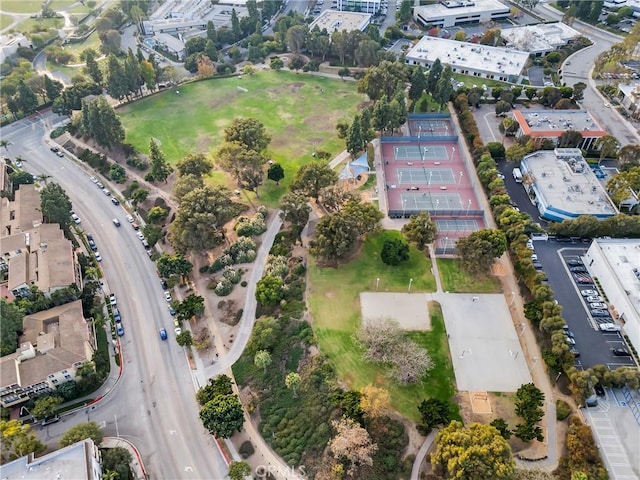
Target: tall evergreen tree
(418, 84)
(116, 80)
(434, 74)
(132, 73)
(211, 32)
(355, 142)
(159, 169)
(53, 88)
(235, 26)
(91, 65)
(27, 100)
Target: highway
(153, 405)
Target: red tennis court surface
(430, 174)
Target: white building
(631, 98)
(539, 39)
(80, 461)
(363, 6)
(469, 58)
(449, 13)
(333, 20)
(616, 265)
(9, 45)
(562, 186)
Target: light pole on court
(404, 206)
(446, 242)
(468, 207)
(437, 204)
(460, 178)
(429, 187)
(523, 325)
(399, 177)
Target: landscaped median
(333, 298)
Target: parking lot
(595, 347)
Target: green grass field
(71, 71)
(5, 20)
(333, 298)
(470, 81)
(293, 107)
(28, 24)
(93, 41)
(456, 280)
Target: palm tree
(5, 144)
(608, 146)
(43, 178)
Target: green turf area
(293, 107)
(470, 81)
(93, 41)
(31, 24)
(456, 280)
(5, 20)
(22, 6)
(333, 298)
(71, 71)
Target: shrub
(232, 275)
(246, 449)
(243, 283)
(563, 410)
(138, 163)
(223, 288)
(246, 257)
(58, 131)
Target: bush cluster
(251, 227)
(138, 163)
(242, 251)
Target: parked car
(583, 279)
(93, 179)
(163, 334)
(569, 340)
(178, 330)
(129, 219)
(164, 285)
(116, 222)
(119, 329)
(620, 352)
(575, 352)
(116, 315)
(98, 257)
(594, 298)
(140, 235)
(167, 296)
(112, 300)
(578, 269)
(135, 226)
(92, 243)
(598, 305)
(609, 327)
(172, 312)
(534, 257)
(76, 219)
(573, 262)
(599, 389)
(537, 265)
(600, 313)
(115, 201)
(586, 293)
(106, 192)
(99, 184)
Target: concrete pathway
(137, 467)
(422, 453)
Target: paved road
(579, 71)
(154, 404)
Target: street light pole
(513, 297)
(404, 206)
(377, 283)
(468, 207)
(410, 282)
(446, 242)
(460, 178)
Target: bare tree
(352, 443)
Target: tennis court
(457, 225)
(425, 176)
(431, 201)
(420, 152)
(431, 126)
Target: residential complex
(631, 98)
(469, 58)
(333, 20)
(450, 13)
(80, 461)
(54, 344)
(616, 265)
(539, 39)
(33, 253)
(551, 124)
(563, 186)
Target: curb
(130, 446)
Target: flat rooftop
(469, 55)
(334, 20)
(551, 123)
(624, 255)
(565, 182)
(539, 38)
(459, 8)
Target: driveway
(536, 76)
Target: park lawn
(70, 71)
(29, 24)
(454, 279)
(293, 107)
(22, 6)
(5, 20)
(333, 299)
(92, 41)
(470, 81)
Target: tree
(374, 401)
(313, 177)
(116, 463)
(239, 470)
(262, 359)
(394, 252)
(53, 88)
(352, 444)
(570, 139)
(81, 431)
(148, 74)
(334, 237)
(185, 184)
(355, 142)
(292, 381)
(269, 290)
(185, 339)
(250, 132)
(116, 81)
(192, 305)
(434, 75)
(159, 168)
(111, 41)
(242, 163)
(220, 385)
(10, 324)
(55, 205)
(295, 208)
(157, 214)
(101, 123)
(420, 230)
(222, 416)
(91, 67)
(18, 440)
(4, 143)
(444, 87)
(515, 152)
(434, 412)
(169, 265)
(27, 100)
(629, 156)
(502, 107)
(276, 63)
(275, 173)
(475, 453)
(404, 15)
(529, 401)
(45, 407)
(530, 92)
(198, 220)
(478, 250)
(334, 197)
(608, 146)
(503, 427)
(196, 164)
(418, 84)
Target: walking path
(422, 453)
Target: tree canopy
(420, 230)
(478, 250)
(249, 132)
(223, 415)
(81, 431)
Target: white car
(112, 300)
(93, 179)
(534, 257)
(106, 192)
(98, 257)
(594, 298)
(129, 219)
(610, 327)
(597, 305)
(140, 235)
(587, 293)
(167, 296)
(178, 330)
(76, 219)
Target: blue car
(116, 315)
(119, 329)
(171, 311)
(163, 334)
